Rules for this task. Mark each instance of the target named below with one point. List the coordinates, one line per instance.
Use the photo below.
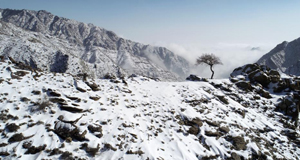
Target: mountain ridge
(96, 43)
(284, 57)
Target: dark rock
(108, 147)
(250, 68)
(194, 130)
(95, 128)
(16, 138)
(212, 134)
(264, 93)
(53, 93)
(238, 142)
(34, 150)
(260, 77)
(196, 102)
(139, 152)
(235, 156)
(95, 98)
(193, 78)
(212, 123)
(4, 153)
(74, 98)
(274, 75)
(224, 129)
(289, 106)
(222, 99)
(241, 112)
(197, 121)
(55, 151)
(3, 144)
(66, 156)
(65, 130)
(36, 92)
(244, 85)
(93, 86)
(12, 127)
(68, 139)
(132, 76)
(115, 81)
(20, 73)
(58, 100)
(91, 151)
(24, 99)
(109, 76)
(60, 63)
(71, 109)
(80, 89)
(5, 117)
(209, 157)
(27, 145)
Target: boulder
(250, 68)
(238, 142)
(109, 76)
(193, 78)
(65, 130)
(93, 86)
(12, 127)
(244, 85)
(260, 77)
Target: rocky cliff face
(98, 50)
(284, 57)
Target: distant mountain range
(285, 57)
(57, 44)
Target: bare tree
(209, 59)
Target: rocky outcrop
(263, 80)
(68, 129)
(195, 78)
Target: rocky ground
(252, 115)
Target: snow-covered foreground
(52, 116)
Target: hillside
(57, 44)
(57, 115)
(284, 58)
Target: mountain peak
(284, 57)
(93, 46)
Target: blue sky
(187, 27)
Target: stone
(238, 142)
(12, 127)
(244, 85)
(235, 156)
(93, 86)
(16, 138)
(34, 150)
(260, 77)
(224, 129)
(250, 68)
(193, 78)
(71, 109)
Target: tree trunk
(212, 72)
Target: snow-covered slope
(49, 38)
(56, 115)
(285, 57)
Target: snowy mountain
(285, 57)
(57, 44)
(254, 115)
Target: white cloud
(232, 55)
